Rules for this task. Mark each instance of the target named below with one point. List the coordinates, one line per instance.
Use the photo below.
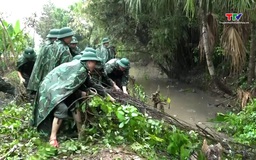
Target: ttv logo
(233, 16)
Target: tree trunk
(208, 55)
(206, 46)
(251, 70)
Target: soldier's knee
(61, 111)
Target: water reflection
(187, 103)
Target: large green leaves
(13, 41)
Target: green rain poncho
(59, 84)
(62, 55)
(120, 77)
(99, 75)
(104, 53)
(43, 65)
(25, 66)
(75, 51)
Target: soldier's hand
(111, 98)
(83, 94)
(22, 81)
(117, 88)
(125, 92)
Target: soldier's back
(62, 53)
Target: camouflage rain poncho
(43, 65)
(105, 54)
(62, 55)
(113, 71)
(75, 51)
(60, 83)
(25, 66)
(99, 75)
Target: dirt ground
(119, 153)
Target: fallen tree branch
(214, 136)
(9, 152)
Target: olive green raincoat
(63, 54)
(75, 51)
(43, 65)
(59, 84)
(25, 66)
(99, 75)
(120, 77)
(105, 54)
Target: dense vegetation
(13, 41)
(109, 125)
(241, 126)
(177, 35)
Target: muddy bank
(188, 102)
(7, 91)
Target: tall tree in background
(166, 36)
(234, 37)
(81, 24)
(251, 68)
(52, 17)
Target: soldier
(74, 49)
(25, 65)
(59, 89)
(77, 57)
(118, 71)
(104, 52)
(63, 53)
(112, 50)
(99, 75)
(43, 61)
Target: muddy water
(187, 102)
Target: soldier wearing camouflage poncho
(42, 65)
(104, 52)
(99, 75)
(77, 57)
(118, 71)
(74, 49)
(63, 53)
(60, 88)
(25, 65)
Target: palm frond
(134, 6)
(234, 48)
(190, 8)
(235, 6)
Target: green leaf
(134, 114)
(120, 115)
(17, 28)
(156, 138)
(121, 125)
(185, 153)
(220, 117)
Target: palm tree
(208, 36)
(208, 24)
(251, 69)
(234, 37)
